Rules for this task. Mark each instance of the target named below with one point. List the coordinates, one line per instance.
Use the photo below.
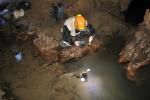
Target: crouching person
(74, 29)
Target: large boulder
(136, 52)
(47, 47)
(75, 52)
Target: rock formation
(77, 52)
(136, 52)
(48, 48)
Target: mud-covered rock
(47, 47)
(75, 52)
(136, 52)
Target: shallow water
(107, 80)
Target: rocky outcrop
(136, 52)
(77, 52)
(49, 49)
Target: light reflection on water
(107, 80)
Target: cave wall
(104, 15)
(86, 6)
(135, 54)
(97, 12)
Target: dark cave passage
(136, 11)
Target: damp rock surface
(75, 52)
(136, 52)
(47, 47)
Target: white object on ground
(18, 56)
(18, 13)
(83, 79)
(88, 70)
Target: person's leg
(66, 35)
(55, 10)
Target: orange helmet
(80, 22)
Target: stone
(75, 52)
(136, 52)
(47, 47)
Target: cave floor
(35, 79)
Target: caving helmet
(80, 22)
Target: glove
(90, 39)
(77, 43)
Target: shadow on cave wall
(136, 11)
